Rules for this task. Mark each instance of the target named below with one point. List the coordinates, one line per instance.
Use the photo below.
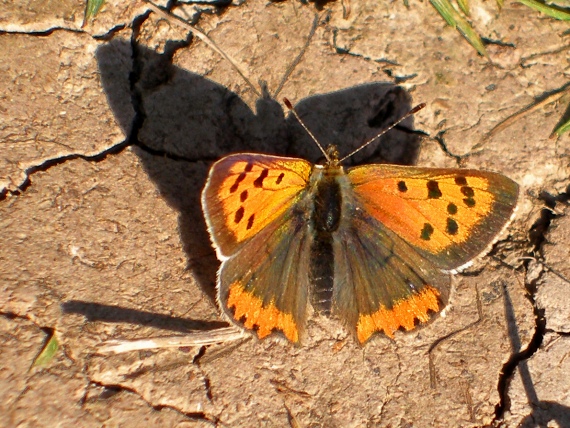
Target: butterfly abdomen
(325, 221)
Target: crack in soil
(46, 165)
(443, 145)
(537, 237)
(44, 33)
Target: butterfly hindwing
(264, 285)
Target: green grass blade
(453, 18)
(565, 127)
(47, 353)
(464, 6)
(91, 9)
(552, 11)
(446, 10)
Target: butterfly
(371, 245)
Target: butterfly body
(326, 216)
(371, 245)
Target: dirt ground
(107, 135)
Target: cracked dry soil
(108, 132)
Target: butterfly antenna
(292, 110)
(204, 37)
(404, 117)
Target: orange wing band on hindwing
(403, 314)
(263, 318)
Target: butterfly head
(332, 156)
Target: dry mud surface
(107, 135)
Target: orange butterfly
(372, 245)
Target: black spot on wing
(452, 226)
(239, 179)
(427, 231)
(239, 215)
(469, 193)
(433, 190)
(259, 180)
(460, 180)
(250, 221)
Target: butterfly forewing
(449, 215)
(246, 192)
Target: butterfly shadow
(184, 122)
